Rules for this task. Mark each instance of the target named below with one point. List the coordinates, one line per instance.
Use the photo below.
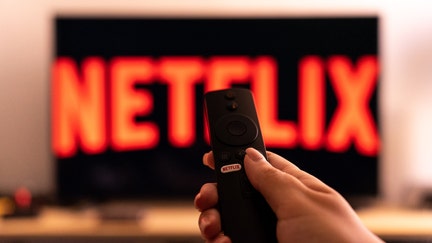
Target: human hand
(306, 208)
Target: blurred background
(405, 99)
(405, 34)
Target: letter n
(78, 106)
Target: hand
(307, 209)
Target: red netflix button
(231, 168)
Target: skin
(307, 209)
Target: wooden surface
(398, 222)
(153, 220)
(181, 221)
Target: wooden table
(178, 223)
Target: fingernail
(254, 154)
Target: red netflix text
(80, 101)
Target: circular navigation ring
(236, 130)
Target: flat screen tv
(126, 99)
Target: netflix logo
(80, 101)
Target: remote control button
(236, 130)
(232, 106)
(230, 95)
(225, 157)
(231, 168)
(240, 154)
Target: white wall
(406, 84)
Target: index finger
(288, 167)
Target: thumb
(277, 187)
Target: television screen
(126, 99)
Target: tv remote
(233, 126)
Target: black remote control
(233, 125)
